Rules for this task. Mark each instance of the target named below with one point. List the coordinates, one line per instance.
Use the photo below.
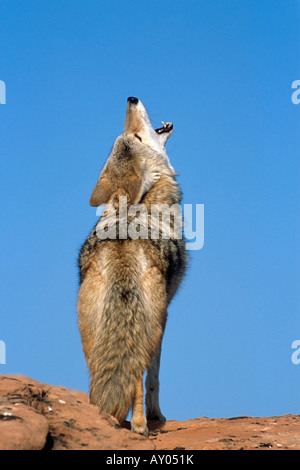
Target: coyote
(126, 283)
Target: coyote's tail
(124, 344)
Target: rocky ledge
(37, 416)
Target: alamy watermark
(2, 352)
(296, 354)
(2, 92)
(163, 222)
(296, 95)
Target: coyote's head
(127, 169)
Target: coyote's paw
(156, 416)
(139, 426)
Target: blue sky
(222, 73)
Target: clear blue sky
(222, 73)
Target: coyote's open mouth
(167, 127)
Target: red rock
(21, 427)
(240, 433)
(38, 416)
(58, 419)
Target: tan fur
(127, 284)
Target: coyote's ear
(102, 192)
(134, 187)
(126, 179)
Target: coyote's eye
(140, 139)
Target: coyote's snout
(127, 283)
(137, 123)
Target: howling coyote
(127, 281)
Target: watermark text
(2, 352)
(296, 95)
(160, 222)
(2, 92)
(296, 353)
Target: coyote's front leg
(152, 389)
(138, 421)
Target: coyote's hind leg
(152, 389)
